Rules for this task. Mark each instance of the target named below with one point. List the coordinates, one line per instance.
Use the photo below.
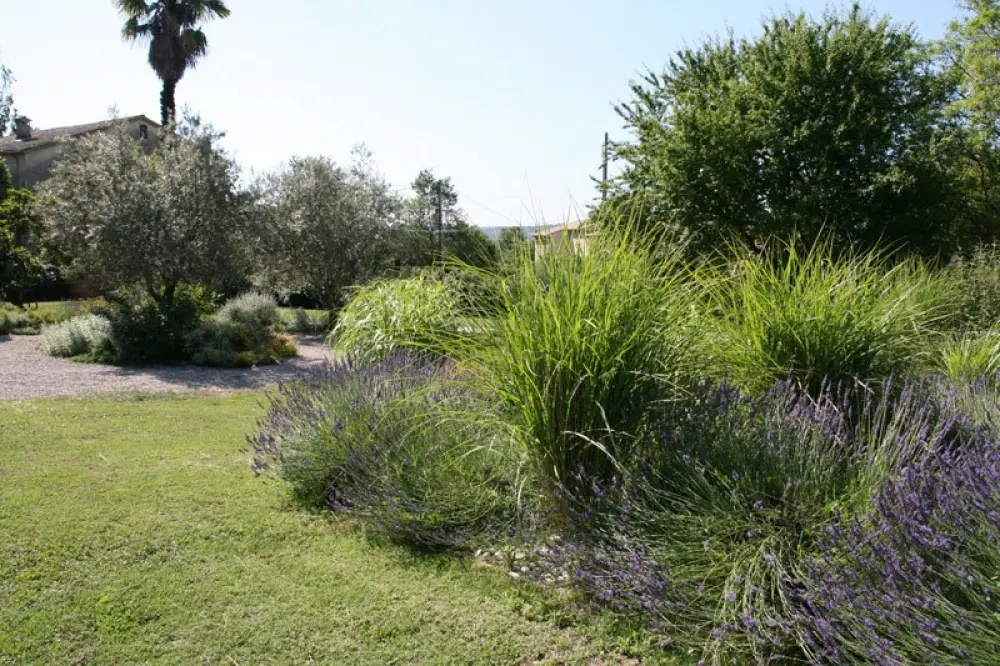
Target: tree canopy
(154, 220)
(968, 60)
(21, 265)
(329, 227)
(420, 239)
(833, 126)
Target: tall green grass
(806, 316)
(583, 344)
(969, 357)
(389, 316)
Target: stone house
(30, 153)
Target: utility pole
(604, 169)
(440, 219)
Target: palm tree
(176, 42)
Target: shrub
(575, 357)
(84, 335)
(253, 310)
(143, 331)
(386, 317)
(708, 534)
(914, 581)
(971, 356)
(308, 324)
(377, 441)
(281, 346)
(813, 319)
(213, 344)
(19, 322)
(977, 278)
(229, 345)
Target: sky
(509, 98)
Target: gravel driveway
(25, 372)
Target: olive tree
(150, 219)
(328, 227)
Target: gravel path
(25, 372)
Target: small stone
(514, 575)
(524, 569)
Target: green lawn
(57, 310)
(132, 532)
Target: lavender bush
(392, 443)
(915, 580)
(709, 533)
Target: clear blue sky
(508, 97)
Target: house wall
(551, 240)
(31, 167)
(577, 239)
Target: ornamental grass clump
(970, 356)
(384, 442)
(583, 343)
(395, 316)
(304, 323)
(813, 318)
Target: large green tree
(176, 41)
(328, 227)
(21, 265)
(815, 127)
(421, 240)
(512, 242)
(970, 55)
(150, 221)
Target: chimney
(22, 128)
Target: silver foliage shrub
(77, 336)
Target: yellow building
(576, 234)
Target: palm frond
(132, 8)
(196, 11)
(216, 7)
(194, 45)
(134, 31)
(206, 9)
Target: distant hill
(494, 232)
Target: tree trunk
(168, 110)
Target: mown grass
(133, 532)
(56, 311)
